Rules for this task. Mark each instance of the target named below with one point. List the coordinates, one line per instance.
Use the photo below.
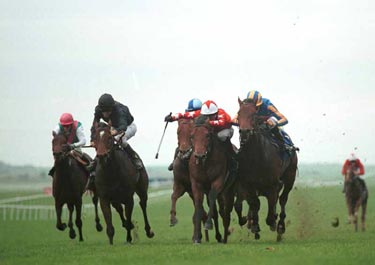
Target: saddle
(81, 158)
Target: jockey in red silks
(222, 124)
(193, 110)
(352, 163)
(73, 131)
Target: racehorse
(263, 170)
(68, 186)
(181, 180)
(116, 181)
(356, 195)
(209, 171)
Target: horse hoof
(208, 226)
(72, 234)
(197, 242)
(279, 238)
(257, 236)
(173, 222)
(150, 234)
(61, 227)
(273, 227)
(219, 239)
(280, 229)
(242, 221)
(99, 227)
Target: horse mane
(248, 101)
(201, 120)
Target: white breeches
(129, 133)
(225, 134)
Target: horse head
(246, 120)
(201, 138)
(104, 141)
(183, 136)
(59, 146)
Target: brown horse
(356, 195)
(209, 167)
(181, 179)
(68, 186)
(262, 170)
(116, 181)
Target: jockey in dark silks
(123, 127)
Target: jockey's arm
(282, 120)
(81, 137)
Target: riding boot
(280, 139)
(233, 163)
(91, 168)
(134, 157)
(51, 171)
(170, 167)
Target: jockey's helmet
(66, 119)
(209, 107)
(106, 102)
(194, 104)
(255, 96)
(352, 157)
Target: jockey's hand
(66, 147)
(93, 144)
(114, 131)
(168, 118)
(271, 122)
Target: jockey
(275, 119)
(221, 122)
(122, 121)
(352, 163)
(73, 130)
(193, 110)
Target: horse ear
(239, 101)
(54, 134)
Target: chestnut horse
(209, 171)
(356, 195)
(68, 186)
(116, 181)
(262, 170)
(181, 180)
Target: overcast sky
(315, 60)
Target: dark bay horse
(209, 169)
(181, 179)
(68, 186)
(116, 181)
(262, 171)
(356, 195)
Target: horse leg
(129, 205)
(120, 211)
(348, 206)
(215, 216)
(106, 210)
(99, 227)
(272, 216)
(212, 196)
(363, 217)
(238, 208)
(283, 200)
(198, 211)
(178, 191)
(59, 224)
(143, 197)
(72, 233)
(253, 217)
(78, 219)
(204, 217)
(226, 202)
